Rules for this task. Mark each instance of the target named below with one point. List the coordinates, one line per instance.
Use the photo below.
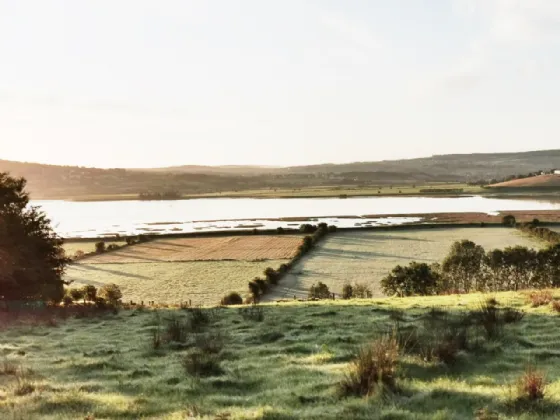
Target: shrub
(486, 414)
(212, 342)
(233, 298)
(332, 228)
(531, 385)
(255, 290)
(540, 298)
(307, 228)
(319, 291)
(100, 247)
(24, 388)
(130, 240)
(77, 294)
(347, 291)
(112, 247)
(415, 279)
(488, 317)
(374, 367)
(8, 368)
(362, 291)
(90, 292)
(556, 305)
(509, 220)
(263, 286)
(271, 275)
(111, 293)
(199, 363)
(67, 300)
(280, 229)
(79, 254)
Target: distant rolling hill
(51, 181)
(535, 182)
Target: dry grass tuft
(374, 368)
(540, 298)
(531, 385)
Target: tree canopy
(32, 259)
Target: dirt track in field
(238, 248)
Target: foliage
(100, 247)
(90, 292)
(111, 293)
(374, 367)
(232, 298)
(347, 291)
(540, 297)
(414, 279)
(509, 220)
(463, 266)
(32, 260)
(319, 291)
(77, 294)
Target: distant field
(202, 270)
(368, 256)
(242, 248)
(86, 246)
(202, 282)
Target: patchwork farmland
(201, 270)
(368, 256)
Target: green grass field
(285, 367)
(202, 282)
(368, 256)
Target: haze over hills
(50, 181)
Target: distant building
(557, 172)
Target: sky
(138, 83)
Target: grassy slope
(286, 367)
(203, 282)
(368, 256)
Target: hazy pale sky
(137, 83)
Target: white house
(557, 172)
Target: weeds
(374, 368)
(531, 385)
(489, 318)
(9, 368)
(512, 316)
(177, 329)
(23, 387)
(540, 298)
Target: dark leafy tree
(464, 265)
(414, 279)
(32, 260)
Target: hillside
(54, 182)
(535, 182)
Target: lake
(92, 219)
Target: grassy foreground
(285, 367)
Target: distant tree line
(469, 268)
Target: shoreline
(428, 221)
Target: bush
(531, 385)
(233, 298)
(271, 275)
(374, 367)
(540, 298)
(130, 240)
(263, 286)
(255, 290)
(100, 247)
(556, 305)
(111, 293)
(198, 318)
(90, 292)
(509, 220)
(112, 247)
(347, 291)
(489, 318)
(77, 294)
(362, 291)
(415, 279)
(319, 291)
(199, 363)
